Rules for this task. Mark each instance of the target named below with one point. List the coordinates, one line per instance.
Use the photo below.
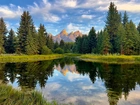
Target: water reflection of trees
(118, 79)
(27, 74)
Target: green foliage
(25, 24)
(121, 39)
(56, 44)
(85, 45)
(92, 40)
(62, 44)
(112, 23)
(49, 42)
(3, 32)
(68, 47)
(45, 50)
(31, 44)
(125, 18)
(103, 43)
(11, 42)
(10, 96)
(42, 35)
(138, 28)
(59, 50)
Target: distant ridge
(67, 37)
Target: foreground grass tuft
(10, 96)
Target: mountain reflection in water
(77, 82)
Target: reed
(10, 96)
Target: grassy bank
(10, 96)
(119, 59)
(28, 58)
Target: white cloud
(10, 11)
(131, 6)
(44, 9)
(67, 3)
(87, 16)
(71, 27)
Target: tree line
(28, 40)
(120, 35)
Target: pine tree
(99, 42)
(42, 35)
(3, 32)
(138, 28)
(49, 42)
(85, 45)
(125, 18)
(11, 42)
(106, 43)
(56, 45)
(121, 39)
(103, 43)
(112, 23)
(25, 24)
(132, 38)
(62, 44)
(92, 40)
(31, 44)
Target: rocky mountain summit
(67, 37)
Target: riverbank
(28, 58)
(10, 96)
(112, 59)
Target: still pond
(71, 81)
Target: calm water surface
(70, 81)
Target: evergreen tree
(99, 42)
(42, 35)
(62, 44)
(138, 28)
(121, 39)
(85, 45)
(56, 45)
(3, 32)
(112, 23)
(131, 37)
(49, 42)
(11, 42)
(103, 43)
(106, 46)
(31, 44)
(125, 18)
(92, 40)
(25, 24)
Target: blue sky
(71, 15)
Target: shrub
(59, 50)
(46, 50)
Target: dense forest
(120, 35)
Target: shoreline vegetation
(11, 96)
(111, 59)
(9, 58)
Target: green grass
(10, 96)
(119, 59)
(5, 58)
(28, 58)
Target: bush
(46, 50)
(59, 50)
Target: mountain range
(67, 37)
